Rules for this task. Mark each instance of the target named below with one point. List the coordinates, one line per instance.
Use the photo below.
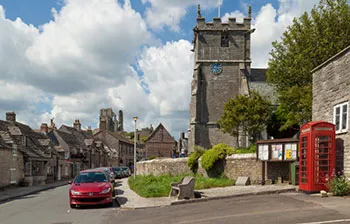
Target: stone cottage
(330, 102)
(121, 147)
(160, 143)
(29, 159)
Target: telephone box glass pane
(322, 150)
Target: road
(52, 207)
(285, 208)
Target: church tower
(221, 69)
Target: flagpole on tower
(219, 5)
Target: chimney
(11, 117)
(44, 128)
(89, 129)
(182, 135)
(52, 124)
(77, 125)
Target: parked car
(91, 187)
(126, 170)
(109, 170)
(118, 172)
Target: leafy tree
(246, 113)
(307, 43)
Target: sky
(67, 59)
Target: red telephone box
(316, 155)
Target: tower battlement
(217, 23)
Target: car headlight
(73, 192)
(105, 191)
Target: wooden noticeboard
(276, 150)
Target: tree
(307, 43)
(248, 114)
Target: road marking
(329, 221)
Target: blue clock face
(216, 68)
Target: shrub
(250, 149)
(192, 161)
(340, 186)
(217, 153)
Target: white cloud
(270, 24)
(76, 60)
(168, 72)
(236, 14)
(82, 61)
(168, 13)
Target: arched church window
(224, 40)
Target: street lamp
(135, 119)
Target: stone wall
(235, 166)
(331, 86)
(240, 165)
(162, 166)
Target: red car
(91, 187)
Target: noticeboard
(277, 150)
(263, 150)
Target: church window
(224, 40)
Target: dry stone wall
(234, 166)
(158, 167)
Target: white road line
(329, 221)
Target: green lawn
(159, 186)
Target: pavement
(128, 199)
(17, 192)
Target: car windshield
(117, 169)
(91, 177)
(125, 168)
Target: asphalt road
(52, 207)
(286, 208)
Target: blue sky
(68, 58)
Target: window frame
(340, 106)
(225, 40)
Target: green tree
(248, 114)
(307, 43)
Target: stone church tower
(221, 68)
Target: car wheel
(72, 206)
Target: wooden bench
(183, 189)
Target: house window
(66, 171)
(14, 150)
(340, 117)
(224, 40)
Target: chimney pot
(11, 116)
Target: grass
(159, 186)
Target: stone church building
(222, 70)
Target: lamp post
(135, 119)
